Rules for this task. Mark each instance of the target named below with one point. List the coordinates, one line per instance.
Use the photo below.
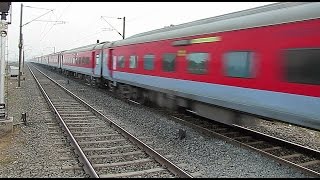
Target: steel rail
(244, 145)
(82, 157)
(158, 157)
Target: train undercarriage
(164, 100)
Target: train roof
(276, 13)
(212, 19)
(87, 47)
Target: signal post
(6, 124)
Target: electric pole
(4, 9)
(20, 45)
(124, 25)
(21, 37)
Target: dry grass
(5, 144)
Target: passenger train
(263, 61)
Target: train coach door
(61, 61)
(112, 63)
(97, 66)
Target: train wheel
(161, 99)
(134, 94)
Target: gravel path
(299, 135)
(29, 151)
(202, 154)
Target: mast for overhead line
(4, 30)
(21, 35)
(20, 46)
(123, 28)
(4, 9)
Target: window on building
(148, 62)
(238, 64)
(197, 63)
(120, 62)
(168, 63)
(133, 61)
(303, 66)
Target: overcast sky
(84, 25)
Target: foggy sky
(84, 25)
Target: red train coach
(82, 61)
(263, 61)
(53, 60)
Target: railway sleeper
(291, 156)
(135, 173)
(271, 148)
(95, 127)
(139, 161)
(255, 142)
(79, 121)
(242, 137)
(84, 115)
(93, 132)
(79, 117)
(310, 163)
(106, 149)
(82, 123)
(116, 155)
(67, 111)
(99, 135)
(98, 142)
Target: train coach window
(97, 59)
(120, 62)
(83, 60)
(238, 64)
(197, 63)
(133, 61)
(302, 66)
(168, 63)
(148, 61)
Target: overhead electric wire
(36, 7)
(84, 38)
(57, 20)
(37, 18)
(44, 27)
(111, 26)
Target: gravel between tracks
(207, 156)
(29, 151)
(299, 135)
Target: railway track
(284, 152)
(103, 148)
(303, 158)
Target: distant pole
(124, 25)
(23, 58)
(54, 50)
(20, 46)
